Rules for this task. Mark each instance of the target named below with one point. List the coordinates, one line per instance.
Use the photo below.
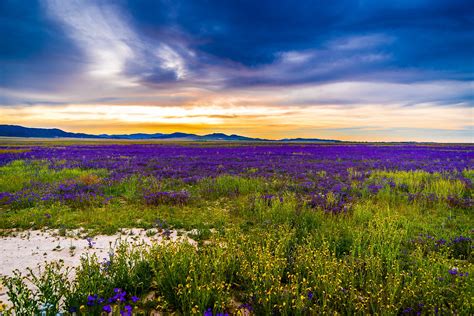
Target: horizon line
(251, 138)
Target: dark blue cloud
(433, 40)
(244, 43)
(35, 53)
(248, 32)
(276, 25)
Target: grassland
(391, 242)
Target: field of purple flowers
(282, 229)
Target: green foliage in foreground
(379, 259)
(396, 251)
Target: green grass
(425, 182)
(19, 174)
(230, 186)
(385, 256)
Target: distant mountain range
(20, 131)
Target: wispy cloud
(102, 34)
(111, 44)
(359, 42)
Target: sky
(351, 70)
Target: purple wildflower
(90, 242)
(126, 312)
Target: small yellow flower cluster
(3, 307)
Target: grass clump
(19, 174)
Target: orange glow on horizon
(361, 123)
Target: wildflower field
(281, 229)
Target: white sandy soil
(28, 249)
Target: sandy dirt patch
(28, 249)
